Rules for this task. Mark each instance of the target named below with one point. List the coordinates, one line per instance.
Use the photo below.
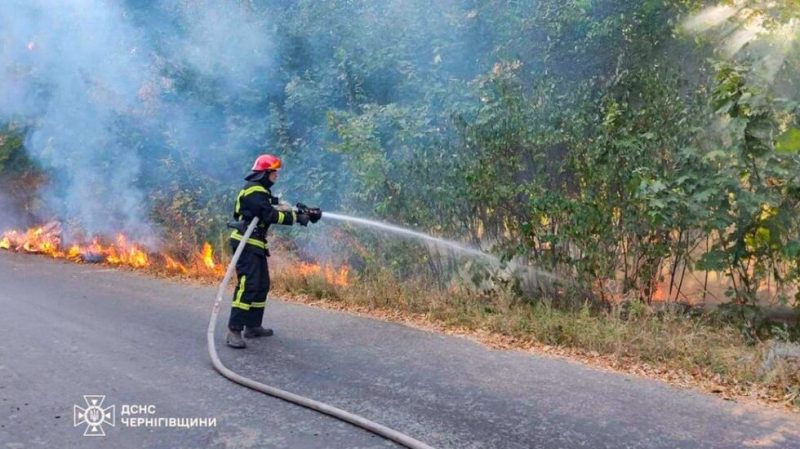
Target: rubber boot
(234, 339)
(255, 332)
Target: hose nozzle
(314, 213)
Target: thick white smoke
(92, 79)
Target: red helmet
(267, 162)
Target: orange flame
(208, 256)
(74, 252)
(340, 276)
(660, 294)
(173, 265)
(125, 253)
(121, 252)
(42, 239)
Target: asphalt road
(71, 330)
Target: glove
(302, 219)
(314, 214)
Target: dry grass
(689, 351)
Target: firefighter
(250, 296)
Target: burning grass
(333, 276)
(119, 251)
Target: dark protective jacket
(256, 200)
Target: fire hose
(317, 406)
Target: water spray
(457, 247)
(317, 406)
(409, 233)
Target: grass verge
(688, 350)
(693, 351)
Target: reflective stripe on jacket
(255, 200)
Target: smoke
(754, 32)
(710, 17)
(98, 82)
(6, 204)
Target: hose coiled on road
(317, 406)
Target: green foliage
(751, 174)
(566, 136)
(13, 159)
(788, 142)
(586, 138)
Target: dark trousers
(250, 296)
